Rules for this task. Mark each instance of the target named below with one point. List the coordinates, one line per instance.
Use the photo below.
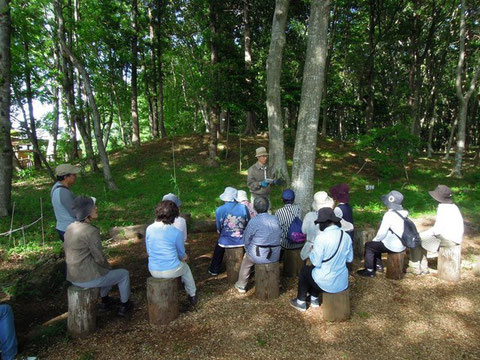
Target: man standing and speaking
(260, 179)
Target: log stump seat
(267, 281)
(336, 307)
(396, 265)
(449, 263)
(162, 298)
(82, 311)
(292, 262)
(233, 261)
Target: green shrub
(389, 148)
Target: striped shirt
(285, 217)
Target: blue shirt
(331, 276)
(62, 201)
(232, 218)
(165, 247)
(263, 230)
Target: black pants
(373, 254)
(217, 259)
(61, 235)
(306, 284)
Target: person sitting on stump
(341, 194)
(388, 236)
(446, 232)
(262, 241)
(285, 216)
(8, 339)
(62, 197)
(166, 249)
(332, 249)
(179, 222)
(242, 198)
(232, 218)
(87, 266)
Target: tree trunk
(214, 107)
(313, 75)
(161, 111)
(154, 98)
(250, 128)
(6, 151)
(463, 99)
(370, 68)
(124, 135)
(56, 111)
(91, 98)
(450, 138)
(134, 106)
(277, 160)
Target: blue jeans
(8, 339)
(119, 277)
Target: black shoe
(106, 304)
(300, 307)
(125, 308)
(212, 273)
(366, 273)
(192, 300)
(379, 268)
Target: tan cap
(261, 151)
(64, 169)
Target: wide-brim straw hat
(241, 196)
(393, 200)
(229, 194)
(65, 169)
(261, 151)
(321, 200)
(443, 194)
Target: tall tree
(135, 123)
(463, 97)
(6, 153)
(214, 107)
(161, 110)
(274, 107)
(307, 129)
(91, 99)
(250, 128)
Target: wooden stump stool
(360, 238)
(267, 281)
(162, 298)
(233, 261)
(292, 263)
(82, 311)
(336, 307)
(449, 263)
(395, 265)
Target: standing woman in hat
(232, 218)
(87, 266)
(62, 197)
(259, 179)
(388, 236)
(446, 232)
(328, 273)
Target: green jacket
(256, 174)
(83, 253)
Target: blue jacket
(165, 247)
(232, 218)
(262, 239)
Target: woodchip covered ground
(414, 318)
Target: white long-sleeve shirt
(392, 221)
(448, 224)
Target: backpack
(410, 237)
(294, 232)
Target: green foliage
(390, 149)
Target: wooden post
(361, 237)
(267, 281)
(336, 307)
(449, 263)
(233, 261)
(82, 311)
(162, 298)
(395, 265)
(292, 263)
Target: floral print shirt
(232, 219)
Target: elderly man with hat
(388, 236)
(332, 249)
(232, 218)
(87, 266)
(446, 232)
(62, 197)
(179, 222)
(260, 177)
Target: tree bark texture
(91, 98)
(134, 99)
(449, 263)
(250, 128)
(214, 110)
(395, 265)
(82, 312)
(274, 108)
(154, 98)
(161, 112)
(233, 261)
(313, 75)
(6, 152)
